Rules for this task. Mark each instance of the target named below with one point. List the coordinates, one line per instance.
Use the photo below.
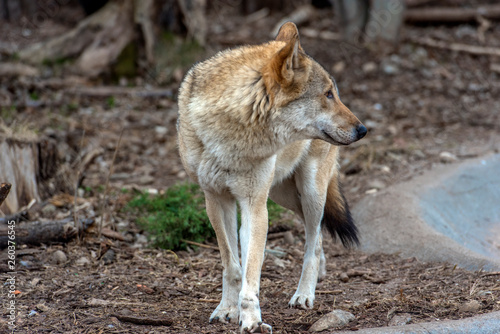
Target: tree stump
(27, 163)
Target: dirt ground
(417, 103)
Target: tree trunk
(361, 22)
(97, 40)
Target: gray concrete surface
(482, 324)
(448, 214)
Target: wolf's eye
(329, 94)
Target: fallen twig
(451, 14)
(214, 301)
(37, 232)
(143, 320)
(106, 91)
(199, 245)
(472, 49)
(326, 35)
(329, 292)
(105, 195)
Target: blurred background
(422, 75)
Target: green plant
(179, 214)
(7, 114)
(111, 102)
(34, 96)
(274, 211)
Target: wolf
(266, 121)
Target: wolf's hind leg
(313, 197)
(221, 210)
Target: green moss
(179, 214)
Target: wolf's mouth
(331, 139)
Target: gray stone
(288, 237)
(400, 319)
(482, 324)
(449, 214)
(49, 208)
(390, 69)
(447, 157)
(59, 257)
(471, 306)
(83, 261)
(335, 318)
(369, 67)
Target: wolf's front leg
(253, 235)
(221, 210)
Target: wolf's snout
(361, 131)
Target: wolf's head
(306, 96)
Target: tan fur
(254, 122)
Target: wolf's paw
(225, 314)
(302, 300)
(257, 327)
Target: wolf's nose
(361, 129)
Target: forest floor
(417, 103)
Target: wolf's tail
(337, 218)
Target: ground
(417, 103)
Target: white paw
(225, 314)
(250, 319)
(256, 327)
(304, 301)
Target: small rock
(279, 263)
(34, 282)
(161, 130)
(472, 306)
(338, 67)
(152, 191)
(371, 124)
(400, 320)
(42, 307)
(385, 169)
(344, 277)
(141, 238)
(369, 67)
(83, 261)
(390, 69)
(108, 257)
(377, 184)
(335, 318)
(49, 208)
(145, 179)
(59, 257)
(288, 237)
(181, 175)
(447, 157)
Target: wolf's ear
(287, 60)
